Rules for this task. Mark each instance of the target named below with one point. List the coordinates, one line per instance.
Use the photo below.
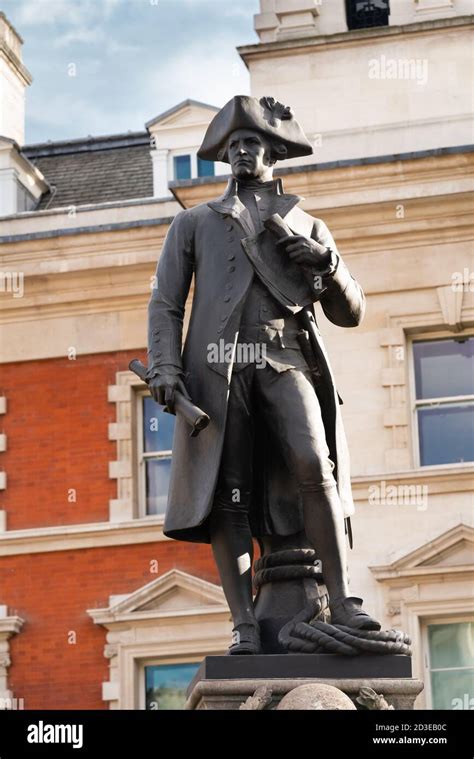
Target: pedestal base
(225, 682)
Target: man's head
(252, 154)
(270, 119)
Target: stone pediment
(452, 551)
(187, 113)
(175, 593)
(458, 554)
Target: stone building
(97, 608)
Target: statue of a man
(273, 460)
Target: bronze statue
(273, 459)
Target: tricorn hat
(266, 115)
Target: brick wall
(52, 592)
(57, 438)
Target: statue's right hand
(163, 388)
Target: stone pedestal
(225, 682)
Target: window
(362, 14)
(24, 199)
(182, 167)
(155, 443)
(451, 665)
(166, 684)
(444, 404)
(205, 168)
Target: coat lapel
(283, 203)
(229, 204)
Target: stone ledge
(79, 536)
(230, 694)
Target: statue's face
(249, 154)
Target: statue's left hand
(306, 251)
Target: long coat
(206, 242)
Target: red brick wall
(57, 438)
(57, 427)
(52, 592)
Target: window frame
(351, 14)
(416, 403)
(140, 665)
(142, 455)
(203, 160)
(436, 620)
(186, 154)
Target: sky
(109, 66)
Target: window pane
(157, 473)
(158, 427)
(451, 645)
(182, 167)
(446, 434)
(365, 13)
(444, 368)
(205, 168)
(452, 689)
(166, 685)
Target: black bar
(223, 733)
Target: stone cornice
(150, 529)
(305, 45)
(108, 268)
(358, 181)
(443, 479)
(10, 626)
(19, 67)
(424, 574)
(77, 536)
(94, 229)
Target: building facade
(97, 608)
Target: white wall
(282, 19)
(347, 104)
(12, 104)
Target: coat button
(227, 299)
(158, 354)
(224, 318)
(229, 286)
(157, 339)
(229, 227)
(220, 329)
(231, 268)
(231, 258)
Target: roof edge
(184, 104)
(86, 144)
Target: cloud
(134, 59)
(73, 13)
(212, 76)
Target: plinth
(225, 682)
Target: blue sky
(133, 59)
